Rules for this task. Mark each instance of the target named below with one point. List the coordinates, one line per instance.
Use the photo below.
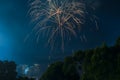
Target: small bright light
(26, 70)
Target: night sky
(14, 27)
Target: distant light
(26, 70)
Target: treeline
(8, 71)
(101, 63)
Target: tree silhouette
(54, 72)
(100, 63)
(118, 42)
(7, 70)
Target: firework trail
(57, 19)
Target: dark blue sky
(14, 27)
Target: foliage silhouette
(100, 63)
(8, 71)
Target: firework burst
(59, 19)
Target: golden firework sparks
(57, 18)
